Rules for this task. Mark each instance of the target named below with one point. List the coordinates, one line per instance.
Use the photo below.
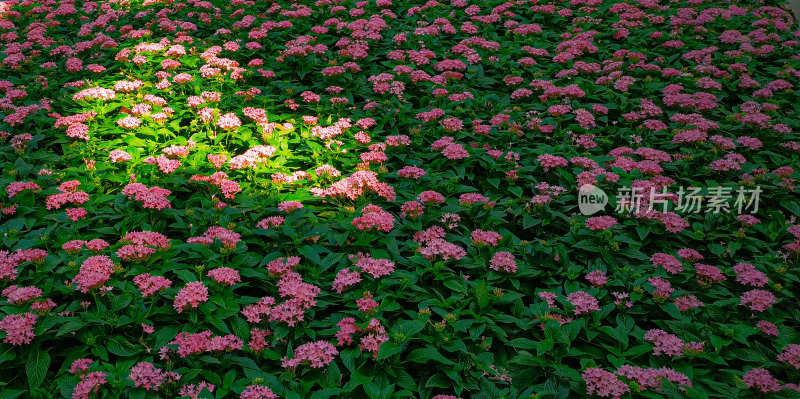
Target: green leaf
(36, 367)
(482, 294)
(424, 355)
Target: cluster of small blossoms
(149, 285)
(150, 198)
(318, 354)
(583, 302)
(374, 267)
(193, 344)
(374, 217)
(150, 377)
(228, 238)
(18, 328)
(503, 261)
(193, 294)
(93, 273)
(252, 157)
(225, 275)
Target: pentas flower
(430, 197)
(768, 328)
(289, 206)
(12, 189)
(93, 273)
(582, 302)
(707, 275)
(80, 366)
(18, 328)
(600, 223)
(151, 198)
(762, 380)
(757, 300)
(665, 343)
(282, 265)
(374, 217)
(258, 339)
(147, 376)
(663, 289)
(374, 267)
(193, 294)
(597, 278)
(229, 238)
(366, 304)
(18, 295)
(225, 275)
(549, 161)
(481, 237)
(791, 355)
(193, 390)
(604, 383)
(668, 262)
(318, 354)
(345, 278)
(747, 274)
(254, 312)
(257, 392)
(686, 302)
(503, 261)
(90, 383)
(302, 294)
(411, 172)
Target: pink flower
(147, 376)
(345, 278)
(600, 223)
(791, 355)
(768, 328)
(757, 300)
(503, 261)
(603, 383)
(80, 366)
(666, 343)
(748, 275)
(491, 238)
(18, 328)
(762, 380)
(686, 302)
(225, 275)
(597, 278)
(289, 206)
(551, 161)
(93, 273)
(228, 121)
(318, 354)
(193, 294)
(374, 267)
(366, 304)
(257, 392)
(89, 383)
(663, 289)
(374, 217)
(668, 262)
(582, 302)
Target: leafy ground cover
(379, 199)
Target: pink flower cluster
(374, 217)
(193, 294)
(583, 302)
(93, 273)
(151, 198)
(318, 354)
(18, 328)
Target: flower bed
(383, 199)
